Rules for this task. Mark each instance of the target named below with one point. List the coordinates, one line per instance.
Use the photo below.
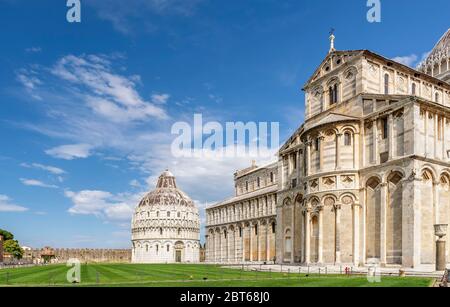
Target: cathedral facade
(365, 178)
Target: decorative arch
(428, 173)
(373, 181)
(353, 70)
(347, 198)
(287, 201)
(329, 200)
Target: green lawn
(178, 275)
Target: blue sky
(86, 109)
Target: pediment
(332, 60)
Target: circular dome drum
(163, 219)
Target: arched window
(168, 213)
(413, 89)
(258, 181)
(157, 213)
(386, 84)
(146, 247)
(271, 177)
(256, 230)
(168, 247)
(273, 227)
(316, 144)
(160, 231)
(178, 214)
(333, 92)
(246, 186)
(436, 97)
(179, 231)
(347, 139)
(157, 248)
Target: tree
(6, 235)
(13, 247)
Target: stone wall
(62, 255)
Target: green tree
(6, 235)
(13, 247)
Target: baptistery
(166, 225)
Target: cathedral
(365, 178)
(166, 226)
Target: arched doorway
(179, 251)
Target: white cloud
(70, 152)
(409, 60)
(160, 98)
(124, 15)
(108, 94)
(37, 183)
(51, 169)
(103, 204)
(7, 206)
(135, 183)
(33, 49)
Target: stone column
(251, 241)
(308, 158)
(307, 236)
(320, 258)
(216, 246)
(293, 233)
(425, 149)
(338, 150)
(375, 141)
(435, 120)
(391, 136)
(356, 234)
(321, 138)
(383, 223)
(444, 154)
(243, 243)
(440, 230)
(268, 228)
(337, 208)
(356, 155)
(436, 204)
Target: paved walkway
(342, 269)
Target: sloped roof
(330, 118)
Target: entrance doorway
(178, 256)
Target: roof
(330, 118)
(243, 197)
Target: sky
(87, 109)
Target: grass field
(179, 275)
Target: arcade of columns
(241, 232)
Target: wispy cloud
(125, 16)
(51, 169)
(7, 206)
(411, 60)
(70, 152)
(103, 204)
(37, 183)
(109, 94)
(33, 49)
(408, 60)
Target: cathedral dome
(166, 225)
(166, 193)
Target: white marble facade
(367, 175)
(166, 226)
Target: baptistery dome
(166, 225)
